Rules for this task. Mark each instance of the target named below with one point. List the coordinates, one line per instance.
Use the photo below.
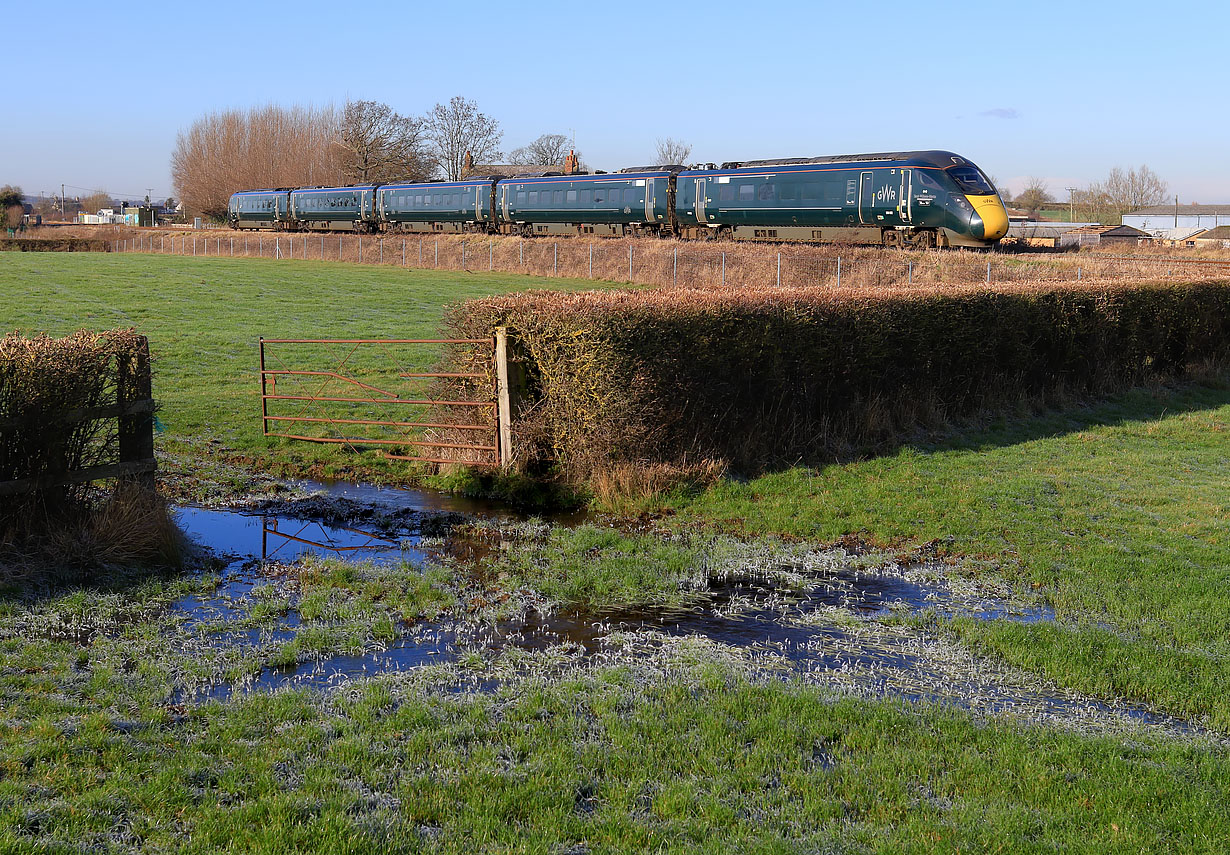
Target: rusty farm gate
(385, 393)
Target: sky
(1060, 91)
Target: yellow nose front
(994, 217)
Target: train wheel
(924, 239)
(892, 238)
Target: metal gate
(382, 392)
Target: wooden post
(509, 383)
(136, 423)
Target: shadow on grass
(987, 431)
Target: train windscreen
(971, 181)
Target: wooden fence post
(136, 422)
(510, 381)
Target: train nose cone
(994, 218)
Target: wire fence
(648, 261)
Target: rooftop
(1181, 210)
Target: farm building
(1161, 217)
(1176, 237)
(1218, 237)
(1036, 233)
(1102, 236)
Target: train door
(649, 218)
(866, 197)
(701, 216)
(478, 203)
(905, 207)
(504, 201)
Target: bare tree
(1034, 196)
(96, 201)
(1128, 191)
(454, 129)
(380, 145)
(262, 147)
(671, 150)
(547, 150)
(1107, 201)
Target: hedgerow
(764, 376)
(46, 384)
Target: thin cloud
(1001, 113)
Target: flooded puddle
(287, 539)
(834, 630)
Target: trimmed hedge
(767, 376)
(45, 385)
(68, 244)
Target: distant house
(1218, 237)
(1176, 237)
(1160, 217)
(1102, 236)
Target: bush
(46, 385)
(764, 376)
(66, 244)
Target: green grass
(204, 317)
(680, 750)
(1118, 513)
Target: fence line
(651, 262)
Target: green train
(914, 199)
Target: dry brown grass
(689, 265)
(632, 487)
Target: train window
(533, 197)
(437, 199)
(747, 192)
(520, 198)
(926, 179)
(789, 191)
(572, 196)
(587, 197)
(765, 193)
(726, 192)
(971, 181)
(833, 192)
(559, 197)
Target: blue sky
(1059, 90)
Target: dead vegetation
(686, 264)
(58, 404)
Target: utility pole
(62, 212)
(1176, 211)
(149, 203)
(1071, 204)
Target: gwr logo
(886, 194)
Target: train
(916, 199)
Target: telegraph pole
(1071, 204)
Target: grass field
(1114, 513)
(204, 316)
